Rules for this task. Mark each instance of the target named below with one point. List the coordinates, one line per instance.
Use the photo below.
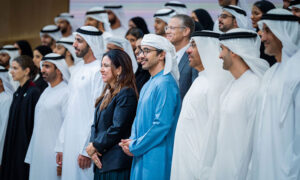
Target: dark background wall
(23, 19)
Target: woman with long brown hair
(115, 112)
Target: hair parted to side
(119, 58)
(136, 32)
(187, 21)
(26, 62)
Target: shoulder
(126, 95)
(126, 91)
(166, 81)
(33, 89)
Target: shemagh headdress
(4, 76)
(94, 39)
(99, 14)
(59, 62)
(178, 6)
(67, 42)
(285, 26)
(119, 12)
(67, 17)
(164, 44)
(165, 14)
(246, 44)
(124, 44)
(11, 50)
(52, 30)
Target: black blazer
(110, 126)
(187, 75)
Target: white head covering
(165, 14)
(244, 5)
(67, 42)
(239, 14)
(164, 44)
(4, 76)
(295, 3)
(99, 14)
(94, 39)
(285, 27)
(246, 44)
(207, 44)
(11, 50)
(60, 62)
(178, 6)
(52, 30)
(67, 17)
(125, 44)
(119, 12)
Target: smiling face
(175, 31)
(225, 54)
(194, 57)
(272, 44)
(132, 39)
(256, 15)
(108, 71)
(226, 21)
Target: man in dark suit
(178, 31)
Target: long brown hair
(125, 79)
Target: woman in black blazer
(114, 115)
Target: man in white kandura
(199, 107)
(240, 53)
(48, 118)
(85, 87)
(6, 96)
(276, 153)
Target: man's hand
(90, 149)
(96, 160)
(125, 146)
(59, 158)
(84, 162)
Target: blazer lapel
(182, 62)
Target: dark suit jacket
(187, 75)
(110, 126)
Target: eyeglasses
(147, 51)
(224, 16)
(173, 28)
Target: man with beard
(295, 7)
(49, 35)
(117, 20)
(7, 54)
(232, 17)
(85, 87)
(98, 17)
(6, 96)
(161, 19)
(48, 118)
(66, 24)
(64, 47)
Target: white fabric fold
(125, 45)
(164, 44)
(94, 41)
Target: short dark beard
(84, 51)
(4, 64)
(113, 21)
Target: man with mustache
(48, 118)
(86, 86)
